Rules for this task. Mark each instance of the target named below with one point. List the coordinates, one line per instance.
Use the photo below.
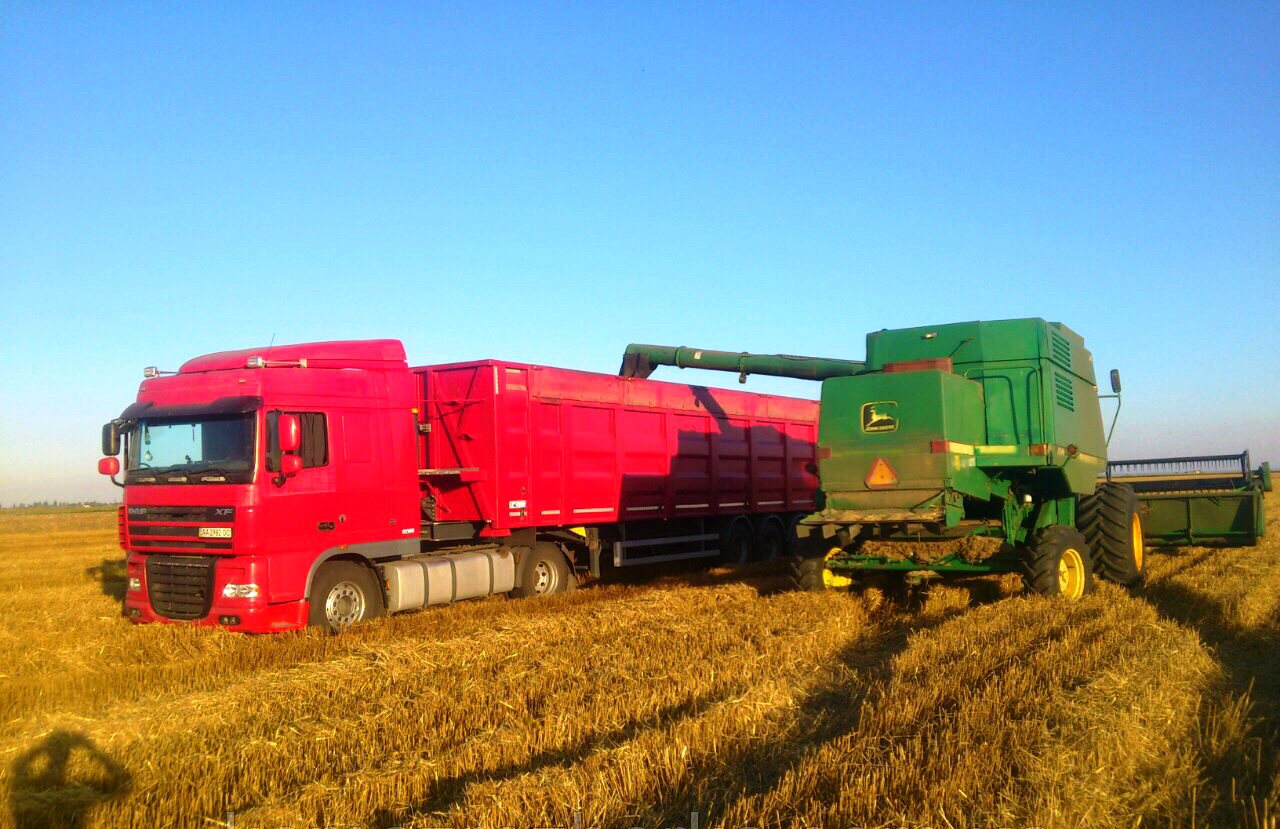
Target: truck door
(361, 506)
(303, 507)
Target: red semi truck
(326, 483)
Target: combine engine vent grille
(180, 587)
(1061, 349)
(1063, 392)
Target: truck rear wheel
(737, 543)
(1059, 564)
(1111, 523)
(771, 540)
(545, 572)
(342, 594)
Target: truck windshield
(197, 449)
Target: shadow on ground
(1247, 658)
(58, 782)
(111, 576)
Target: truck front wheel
(342, 594)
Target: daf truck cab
(232, 470)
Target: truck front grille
(178, 528)
(180, 587)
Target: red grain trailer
(643, 470)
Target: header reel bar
(1194, 473)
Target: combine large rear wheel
(1059, 564)
(1110, 522)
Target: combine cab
(1210, 499)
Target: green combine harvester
(968, 448)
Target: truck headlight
(135, 584)
(240, 591)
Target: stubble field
(720, 694)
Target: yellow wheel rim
(1071, 574)
(833, 580)
(1138, 550)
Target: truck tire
(789, 534)
(1112, 525)
(1059, 564)
(343, 593)
(771, 540)
(544, 572)
(737, 543)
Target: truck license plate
(215, 532)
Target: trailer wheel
(789, 534)
(1111, 523)
(737, 543)
(342, 594)
(771, 541)
(545, 572)
(1059, 564)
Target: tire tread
(1104, 520)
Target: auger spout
(641, 360)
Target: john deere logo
(880, 417)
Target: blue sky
(550, 182)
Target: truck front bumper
(246, 615)
(267, 618)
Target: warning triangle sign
(881, 474)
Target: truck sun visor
(221, 406)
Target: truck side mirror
(290, 433)
(111, 439)
(109, 466)
(1115, 380)
(290, 465)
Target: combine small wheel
(1110, 522)
(737, 543)
(545, 572)
(342, 594)
(809, 571)
(1059, 564)
(771, 541)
